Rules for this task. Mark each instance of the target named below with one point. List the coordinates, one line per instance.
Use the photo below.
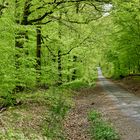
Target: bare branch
(43, 23)
(55, 5)
(41, 18)
(42, 38)
(87, 21)
(79, 45)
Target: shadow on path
(128, 103)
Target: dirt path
(128, 103)
(117, 106)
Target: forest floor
(39, 117)
(27, 121)
(132, 84)
(87, 99)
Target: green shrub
(94, 115)
(99, 129)
(7, 100)
(75, 85)
(11, 134)
(60, 103)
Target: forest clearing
(69, 70)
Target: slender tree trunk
(59, 68)
(26, 12)
(77, 7)
(38, 53)
(74, 71)
(69, 76)
(59, 59)
(21, 35)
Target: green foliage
(10, 134)
(120, 53)
(6, 52)
(75, 85)
(55, 103)
(94, 115)
(7, 100)
(99, 129)
(67, 33)
(18, 135)
(60, 104)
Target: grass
(136, 78)
(7, 100)
(40, 116)
(99, 129)
(19, 135)
(75, 85)
(53, 127)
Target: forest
(49, 54)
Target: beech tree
(42, 46)
(7, 69)
(33, 13)
(120, 33)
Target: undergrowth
(77, 84)
(39, 116)
(100, 129)
(60, 103)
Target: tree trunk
(59, 68)
(19, 37)
(38, 53)
(26, 12)
(74, 71)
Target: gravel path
(118, 106)
(124, 111)
(128, 103)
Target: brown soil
(76, 124)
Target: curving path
(127, 120)
(128, 103)
(117, 106)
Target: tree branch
(48, 46)
(79, 45)
(87, 21)
(56, 3)
(41, 18)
